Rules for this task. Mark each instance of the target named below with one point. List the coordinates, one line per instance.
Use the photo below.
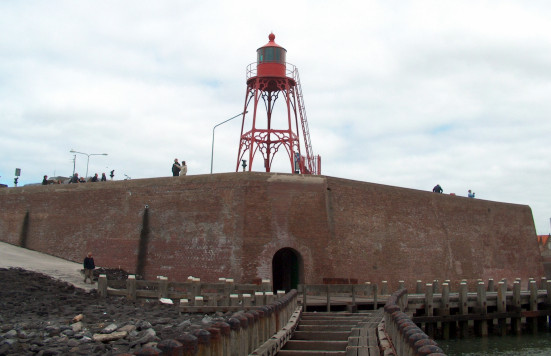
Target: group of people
(47, 181)
(76, 179)
(438, 189)
(179, 169)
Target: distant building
(544, 243)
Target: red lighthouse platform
(266, 133)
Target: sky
(401, 93)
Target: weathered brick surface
(231, 225)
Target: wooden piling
(481, 326)
(384, 288)
(445, 310)
(131, 287)
(532, 322)
(491, 286)
(419, 287)
(502, 307)
(463, 309)
(102, 285)
(516, 321)
(429, 309)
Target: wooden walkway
(344, 334)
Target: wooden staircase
(344, 334)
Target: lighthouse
(272, 129)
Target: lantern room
(271, 59)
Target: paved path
(67, 271)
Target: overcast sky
(402, 93)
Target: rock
(78, 318)
(164, 321)
(109, 329)
(6, 327)
(109, 337)
(77, 327)
(68, 332)
(52, 330)
(98, 348)
(145, 337)
(9, 342)
(185, 323)
(143, 325)
(4, 349)
(128, 328)
(10, 334)
(72, 343)
(150, 344)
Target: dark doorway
(286, 269)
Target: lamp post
(88, 161)
(215, 126)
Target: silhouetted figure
(74, 179)
(176, 168)
(437, 189)
(89, 268)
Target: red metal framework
(267, 79)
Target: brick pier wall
(231, 225)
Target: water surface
(526, 345)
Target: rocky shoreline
(43, 316)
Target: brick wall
(231, 225)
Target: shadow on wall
(144, 241)
(24, 231)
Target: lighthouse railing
(290, 70)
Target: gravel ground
(39, 316)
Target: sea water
(526, 345)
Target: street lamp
(215, 126)
(88, 155)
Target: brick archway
(286, 269)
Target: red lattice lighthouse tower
(273, 130)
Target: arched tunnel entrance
(286, 269)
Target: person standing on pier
(89, 267)
(176, 168)
(183, 169)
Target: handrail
(406, 337)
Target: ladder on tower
(313, 163)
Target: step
(341, 314)
(302, 327)
(335, 316)
(316, 345)
(321, 335)
(363, 351)
(330, 322)
(310, 353)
